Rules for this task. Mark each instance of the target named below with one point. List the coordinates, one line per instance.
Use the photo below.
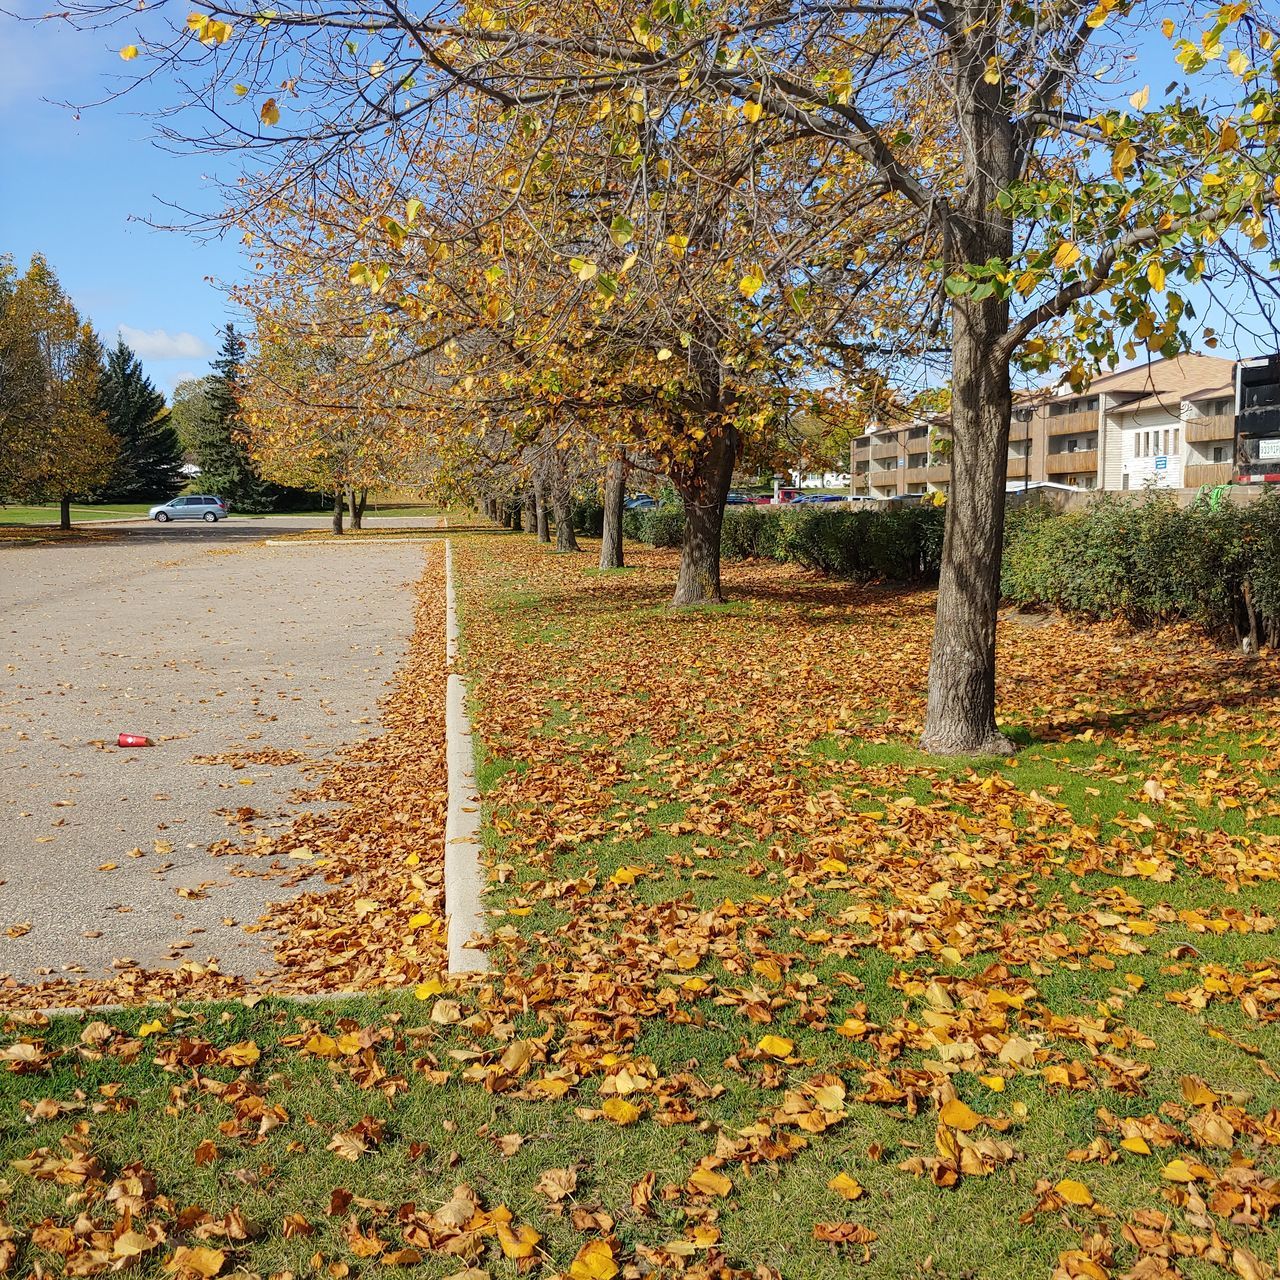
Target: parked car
(788, 496)
(736, 499)
(820, 497)
(641, 502)
(192, 507)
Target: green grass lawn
(80, 513)
(749, 943)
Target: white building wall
(1152, 450)
(1110, 450)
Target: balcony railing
(887, 449)
(1214, 426)
(1062, 464)
(1016, 469)
(1198, 473)
(1070, 424)
(937, 472)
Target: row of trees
(566, 232)
(78, 422)
(74, 422)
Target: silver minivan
(192, 507)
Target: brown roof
(1160, 382)
(1181, 378)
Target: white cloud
(160, 344)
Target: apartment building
(1169, 424)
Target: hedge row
(1147, 561)
(1150, 562)
(902, 543)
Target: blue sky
(77, 189)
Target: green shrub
(659, 527)
(749, 533)
(1150, 562)
(588, 516)
(901, 543)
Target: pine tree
(225, 466)
(149, 465)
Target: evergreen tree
(226, 468)
(149, 465)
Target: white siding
(1152, 449)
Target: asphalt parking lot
(208, 641)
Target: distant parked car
(193, 507)
(736, 499)
(641, 502)
(819, 497)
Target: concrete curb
(345, 542)
(463, 867)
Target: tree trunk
(357, 519)
(64, 512)
(961, 716)
(337, 511)
(530, 511)
(615, 493)
(562, 511)
(353, 507)
(540, 511)
(514, 510)
(704, 488)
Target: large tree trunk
(337, 510)
(540, 510)
(962, 668)
(615, 495)
(64, 512)
(530, 514)
(355, 503)
(704, 488)
(514, 511)
(562, 511)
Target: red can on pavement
(134, 740)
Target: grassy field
(772, 990)
(80, 513)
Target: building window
(1175, 439)
(1219, 453)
